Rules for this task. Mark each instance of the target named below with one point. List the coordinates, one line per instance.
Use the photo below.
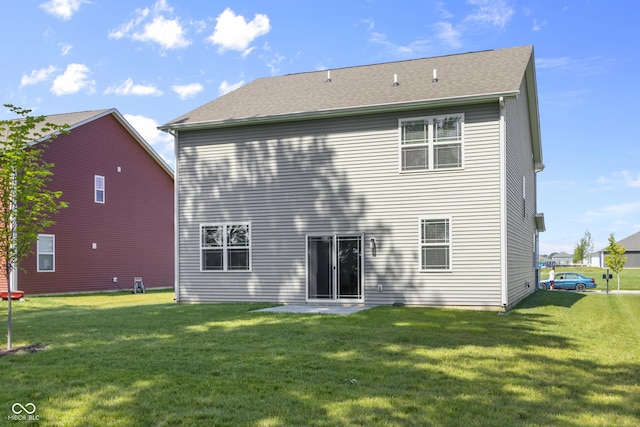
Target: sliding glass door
(334, 267)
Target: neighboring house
(408, 182)
(596, 259)
(562, 258)
(632, 246)
(545, 261)
(119, 222)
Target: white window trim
(449, 243)
(53, 253)
(96, 189)
(431, 143)
(225, 247)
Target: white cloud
(537, 26)
(161, 142)
(370, 24)
(129, 88)
(65, 48)
(226, 87)
(553, 63)
(619, 209)
(274, 64)
(187, 91)
(233, 32)
(74, 79)
(63, 9)
(168, 33)
(151, 25)
(127, 28)
(37, 76)
(444, 13)
(491, 12)
(413, 48)
(622, 178)
(448, 34)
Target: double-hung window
(98, 188)
(435, 244)
(225, 247)
(428, 143)
(46, 253)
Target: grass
(560, 358)
(629, 277)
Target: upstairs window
(225, 247)
(98, 188)
(428, 143)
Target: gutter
(340, 112)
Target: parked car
(568, 280)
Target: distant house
(632, 246)
(408, 182)
(562, 258)
(119, 223)
(545, 261)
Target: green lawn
(629, 277)
(561, 358)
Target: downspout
(504, 289)
(13, 279)
(176, 221)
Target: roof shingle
(460, 76)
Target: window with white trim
(225, 247)
(98, 188)
(46, 248)
(435, 244)
(428, 143)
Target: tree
(615, 258)
(26, 204)
(583, 248)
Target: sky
(154, 60)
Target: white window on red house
(99, 189)
(46, 252)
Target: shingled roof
(631, 243)
(468, 77)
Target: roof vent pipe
(435, 76)
(395, 80)
(328, 76)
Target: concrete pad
(315, 309)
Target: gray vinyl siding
(520, 219)
(340, 176)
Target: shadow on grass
(169, 364)
(557, 298)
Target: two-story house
(119, 221)
(408, 182)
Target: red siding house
(119, 222)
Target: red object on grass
(14, 294)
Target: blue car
(569, 281)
